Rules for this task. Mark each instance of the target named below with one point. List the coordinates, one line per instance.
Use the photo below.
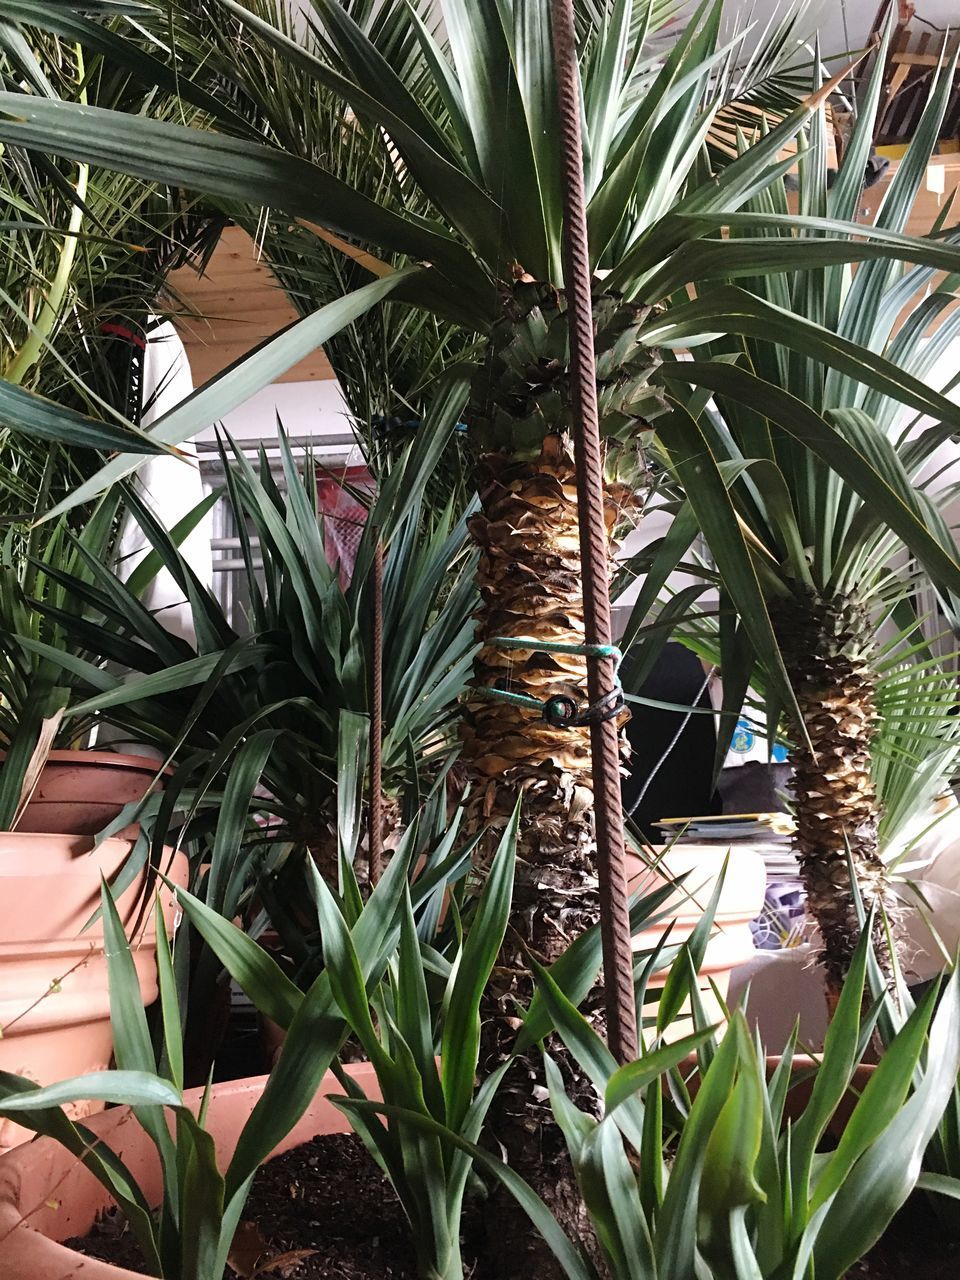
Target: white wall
(309, 411)
(653, 525)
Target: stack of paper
(767, 833)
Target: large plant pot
(46, 1196)
(741, 899)
(802, 1076)
(54, 1000)
(79, 792)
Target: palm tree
(828, 553)
(488, 247)
(84, 253)
(388, 359)
(486, 171)
(486, 256)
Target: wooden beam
(233, 307)
(917, 59)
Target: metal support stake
(604, 737)
(375, 834)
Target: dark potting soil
(329, 1196)
(916, 1246)
(323, 1211)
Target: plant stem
(50, 311)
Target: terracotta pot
(79, 792)
(802, 1074)
(741, 900)
(54, 1001)
(47, 1196)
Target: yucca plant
(190, 1236)
(84, 252)
(793, 530)
(395, 1028)
(420, 1024)
(737, 1199)
(426, 1051)
(488, 258)
(411, 997)
(263, 712)
(941, 1159)
(46, 651)
(713, 1170)
(35, 691)
(265, 727)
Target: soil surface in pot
(322, 1211)
(916, 1246)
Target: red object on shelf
(344, 514)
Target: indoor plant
(199, 1212)
(243, 1124)
(262, 713)
(48, 782)
(795, 533)
(663, 237)
(682, 321)
(54, 1016)
(84, 254)
(31, 1235)
(373, 958)
(199, 1207)
(734, 1199)
(263, 731)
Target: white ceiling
(846, 24)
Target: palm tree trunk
(828, 650)
(530, 583)
(529, 579)
(320, 837)
(529, 575)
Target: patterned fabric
(781, 922)
(340, 504)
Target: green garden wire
(560, 710)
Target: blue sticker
(743, 738)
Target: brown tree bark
(530, 583)
(828, 649)
(529, 576)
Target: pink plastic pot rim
(30, 1250)
(112, 759)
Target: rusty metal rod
(601, 673)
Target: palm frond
(84, 251)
